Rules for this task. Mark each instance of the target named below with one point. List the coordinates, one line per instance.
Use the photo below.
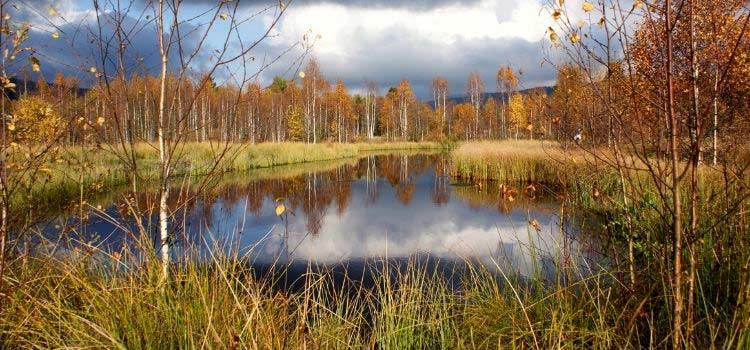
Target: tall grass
(72, 172)
(101, 301)
(722, 292)
(511, 161)
(521, 162)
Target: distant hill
(497, 95)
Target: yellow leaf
(280, 209)
(302, 74)
(223, 16)
(574, 38)
(581, 23)
(637, 4)
(11, 126)
(92, 69)
(55, 35)
(587, 6)
(35, 66)
(535, 224)
(556, 15)
(100, 120)
(52, 11)
(553, 37)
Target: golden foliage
(34, 120)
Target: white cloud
(386, 44)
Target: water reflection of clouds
(386, 227)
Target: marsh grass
(722, 292)
(75, 172)
(570, 174)
(93, 299)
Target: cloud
(66, 38)
(382, 40)
(387, 45)
(372, 4)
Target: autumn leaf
(587, 6)
(574, 38)
(55, 35)
(302, 74)
(556, 15)
(553, 37)
(35, 66)
(280, 209)
(52, 11)
(92, 70)
(223, 16)
(535, 224)
(100, 121)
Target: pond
(397, 207)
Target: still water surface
(398, 207)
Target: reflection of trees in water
(441, 183)
(371, 180)
(401, 173)
(314, 193)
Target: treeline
(597, 104)
(309, 108)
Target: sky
(383, 41)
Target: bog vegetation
(645, 130)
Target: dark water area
(351, 218)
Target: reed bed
(96, 300)
(510, 161)
(71, 172)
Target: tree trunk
(163, 157)
(676, 200)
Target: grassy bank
(510, 161)
(73, 171)
(719, 294)
(544, 163)
(103, 302)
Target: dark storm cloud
(83, 45)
